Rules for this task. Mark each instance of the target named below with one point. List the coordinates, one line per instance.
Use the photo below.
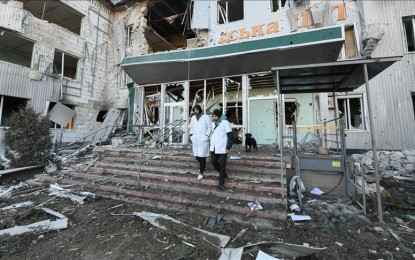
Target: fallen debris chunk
(58, 191)
(154, 218)
(41, 226)
(297, 218)
(17, 205)
(239, 234)
(289, 250)
(255, 206)
(6, 192)
(263, 256)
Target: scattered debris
(239, 234)
(286, 249)
(17, 205)
(255, 205)
(263, 256)
(56, 190)
(155, 219)
(297, 218)
(41, 226)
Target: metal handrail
(156, 140)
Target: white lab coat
(200, 131)
(219, 138)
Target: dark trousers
(202, 163)
(219, 163)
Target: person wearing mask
(200, 130)
(220, 144)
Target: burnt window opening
(101, 115)
(54, 125)
(409, 26)
(351, 108)
(10, 105)
(15, 49)
(277, 5)
(129, 35)
(70, 64)
(230, 11)
(55, 12)
(168, 25)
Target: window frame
(410, 19)
(278, 4)
(128, 36)
(224, 12)
(62, 71)
(348, 119)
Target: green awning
(309, 47)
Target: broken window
(15, 49)
(277, 5)
(351, 108)
(290, 111)
(230, 11)
(233, 112)
(129, 35)
(9, 105)
(55, 12)
(59, 113)
(409, 26)
(68, 62)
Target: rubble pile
(390, 163)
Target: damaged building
(143, 64)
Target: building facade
(83, 55)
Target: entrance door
(261, 120)
(173, 116)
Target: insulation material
(61, 114)
(372, 34)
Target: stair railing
(155, 144)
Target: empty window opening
(101, 115)
(413, 102)
(56, 125)
(277, 5)
(409, 25)
(55, 12)
(351, 108)
(9, 106)
(70, 64)
(230, 11)
(129, 35)
(350, 43)
(15, 49)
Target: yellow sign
(336, 164)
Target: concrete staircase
(171, 182)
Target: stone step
(190, 163)
(254, 185)
(202, 198)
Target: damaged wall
(392, 105)
(93, 88)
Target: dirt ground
(104, 228)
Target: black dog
(250, 141)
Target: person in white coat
(200, 130)
(220, 144)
